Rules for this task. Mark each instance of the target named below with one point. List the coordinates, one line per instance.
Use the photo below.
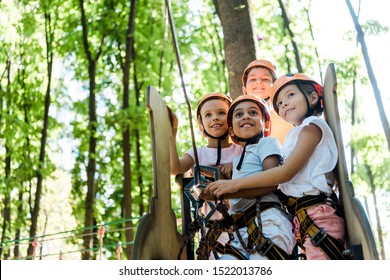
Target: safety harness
(263, 245)
(257, 242)
(331, 247)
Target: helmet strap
(220, 138)
(310, 110)
(219, 149)
(255, 139)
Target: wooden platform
(157, 237)
(360, 236)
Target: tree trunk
(378, 219)
(353, 117)
(371, 75)
(137, 88)
(306, 9)
(19, 219)
(6, 211)
(41, 163)
(239, 39)
(139, 157)
(286, 21)
(91, 167)
(127, 199)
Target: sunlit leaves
(373, 27)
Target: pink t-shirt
(208, 156)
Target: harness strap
(295, 204)
(231, 250)
(212, 235)
(247, 219)
(267, 247)
(216, 227)
(319, 237)
(242, 219)
(331, 247)
(191, 230)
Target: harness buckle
(318, 237)
(265, 247)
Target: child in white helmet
(310, 153)
(211, 115)
(257, 79)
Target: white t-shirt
(255, 154)
(311, 179)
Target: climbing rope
(177, 54)
(100, 231)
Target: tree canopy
(74, 130)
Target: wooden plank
(360, 236)
(157, 237)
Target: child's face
(214, 117)
(247, 120)
(259, 82)
(292, 104)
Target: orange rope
(119, 251)
(101, 233)
(35, 245)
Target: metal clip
(265, 247)
(321, 234)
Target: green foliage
(200, 40)
(373, 27)
(371, 151)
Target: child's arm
(308, 140)
(268, 163)
(225, 171)
(177, 165)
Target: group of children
(278, 196)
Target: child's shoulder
(269, 141)
(317, 121)
(268, 146)
(322, 124)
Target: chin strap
(255, 139)
(219, 149)
(220, 138)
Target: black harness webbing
(319, 237)
(331, 247)
(243, 219)
(246, 219)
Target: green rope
(68, 231)
(20, 241)
(95, 249)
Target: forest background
(75, 147)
